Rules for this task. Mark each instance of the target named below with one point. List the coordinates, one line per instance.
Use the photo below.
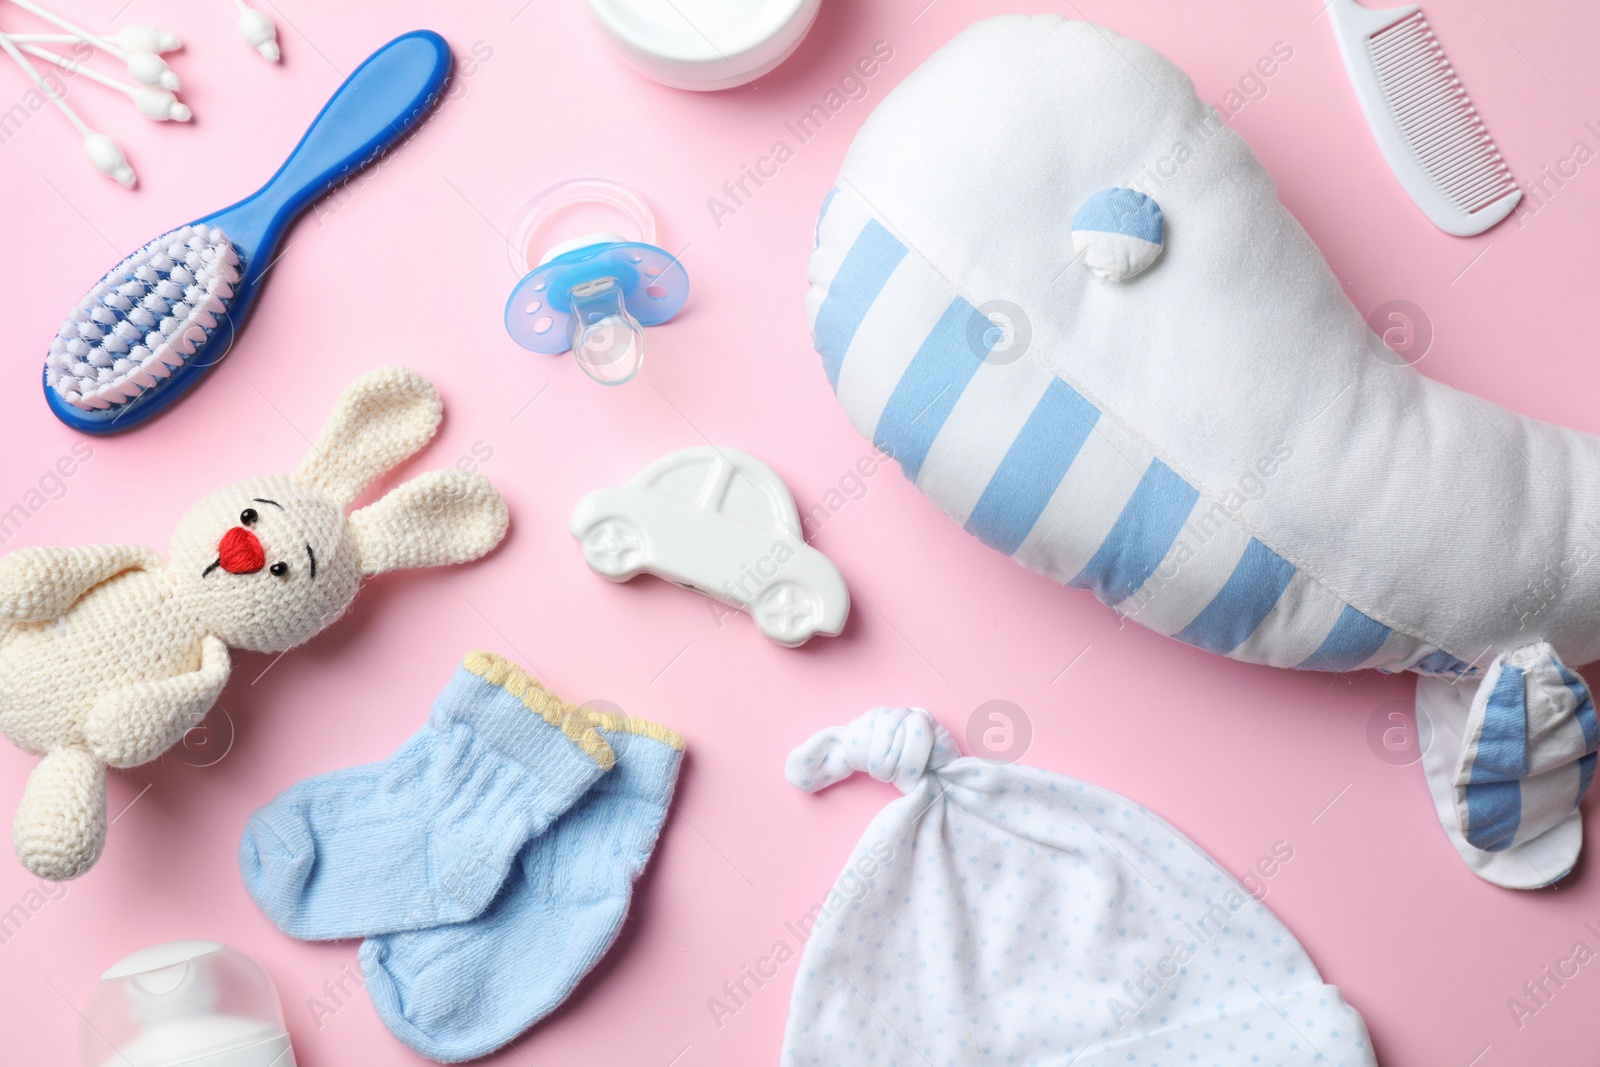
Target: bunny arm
(138, 722)
(42, 584)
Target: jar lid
(705, 44)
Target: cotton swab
(103, 152)
(158, 105)
(146, 67)
(141, 38)
(135, 38)
(258, 30)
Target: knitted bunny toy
(108, 655)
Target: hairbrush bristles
(144, 319)
(1436, 116)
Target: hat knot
(892, 744)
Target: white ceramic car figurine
(722, 523)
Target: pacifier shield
(539, 314)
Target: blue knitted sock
(457, 992)
(427, 836)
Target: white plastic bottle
(194, 1003)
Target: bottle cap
(194, 1003)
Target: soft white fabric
(999, 915)
(892, 744)
(1432, 511)
(1215, 446)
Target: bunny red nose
(240, 552)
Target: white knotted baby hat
(999, 914)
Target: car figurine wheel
(786, 612)
(614, 547)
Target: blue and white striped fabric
(1211, 447)
(1528, 755)
(1032, 467)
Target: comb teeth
(1436, 117)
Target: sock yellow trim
(604, 720)
(501, 672)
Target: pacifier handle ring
(568, 194)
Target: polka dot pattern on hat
(1002, 915)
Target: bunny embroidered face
(262, 565)
(265, 563)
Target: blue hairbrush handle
(381, 102)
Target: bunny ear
(384, 417)
(448, 516)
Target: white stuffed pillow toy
(1153, 387)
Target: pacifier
(592, 295)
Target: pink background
(410, 266)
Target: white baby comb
(1430, 134)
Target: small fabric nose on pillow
(892, 744)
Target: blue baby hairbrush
(151, 328)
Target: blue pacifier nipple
(594, 295)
